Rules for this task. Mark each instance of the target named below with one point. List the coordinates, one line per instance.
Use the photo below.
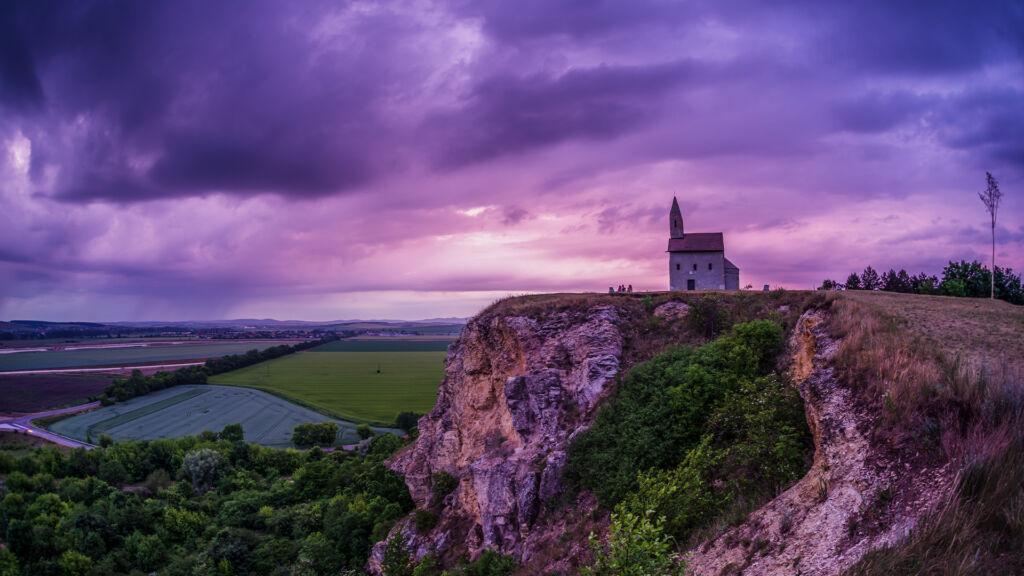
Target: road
(24, 424)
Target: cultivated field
(346, 383)
(385, 345)
(127, 356)
(188, 410)
(36, 392)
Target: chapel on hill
(696, 261)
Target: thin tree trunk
(992, 294)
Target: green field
(122, 356)
(188, 410)
(347, 384)
(382, 345)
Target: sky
(181, 160)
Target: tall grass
(947, 410)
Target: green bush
(443, 485)
(425, 520)
(662, 409)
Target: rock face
(516, 389)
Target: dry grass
(980, 331)
(944, 375)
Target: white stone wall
(681, 269)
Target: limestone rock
(672, 310)
(516, 389)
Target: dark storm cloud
(989, 121)
(143, 100)
(919, 37)
(19, 84)
(509, 114)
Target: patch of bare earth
(856, 497)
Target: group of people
(622, 289)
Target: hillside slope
(529, 374)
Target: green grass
(346, 384)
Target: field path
(24, 424)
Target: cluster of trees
(236, 361)
(138, 384)
(201, 505)
(693, 435)
(315, 434)
(963, 279)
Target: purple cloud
(186, 159)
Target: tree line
(962, 279)
(138, 384)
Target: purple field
(37, 392)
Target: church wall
(680, 269)
(732, 280)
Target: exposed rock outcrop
(516, 389)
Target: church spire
(675, 220)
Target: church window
(709, 265)
(677, 266)
(694, 266)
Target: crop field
(347, 383)
(123, 356)
(381, 345)
(188, 410)
(37, 392)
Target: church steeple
(675, 220)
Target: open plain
(371, 385)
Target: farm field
(188, 410)
(37, 392)
(122, 356)
(384, 345)
(346, 383)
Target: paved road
(24, 424)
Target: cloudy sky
(323, 160)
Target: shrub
(708, 315)
(637, 546)
(425, 520)
(203, 468)
(443, 485)
(662, 408)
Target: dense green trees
(963, 279)
(315, 434)
(692, 435)
(218, 506)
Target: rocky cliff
(521, 382)
(516, 390)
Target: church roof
(699, 242)
(730, 266)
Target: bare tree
(991, 197)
